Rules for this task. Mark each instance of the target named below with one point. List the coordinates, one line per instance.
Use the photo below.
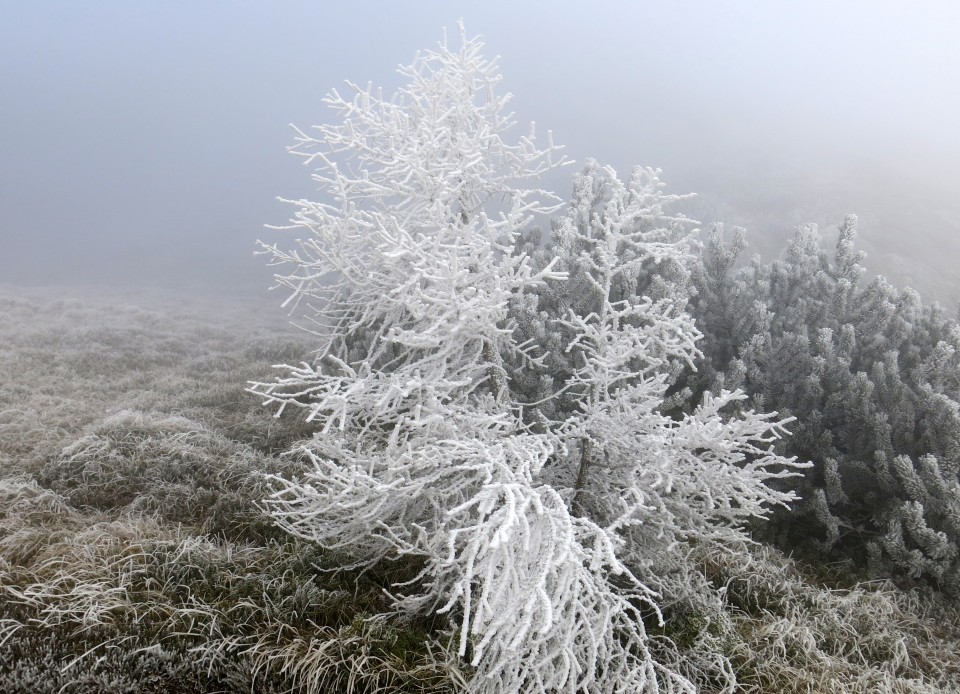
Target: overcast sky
(145, 141)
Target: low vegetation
(135, 556)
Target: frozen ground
(134, 556)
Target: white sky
(144, 141)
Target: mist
(144, 144)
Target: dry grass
(793, 632)
(133, 553)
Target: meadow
(136, 554)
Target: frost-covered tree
(661, 481)
(406, 269)
(871, 375)
(655, 276)
(539, 538)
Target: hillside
(134, 556)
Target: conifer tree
(408, 269)
(870, 373)
(622, 315)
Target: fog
(144, 143)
